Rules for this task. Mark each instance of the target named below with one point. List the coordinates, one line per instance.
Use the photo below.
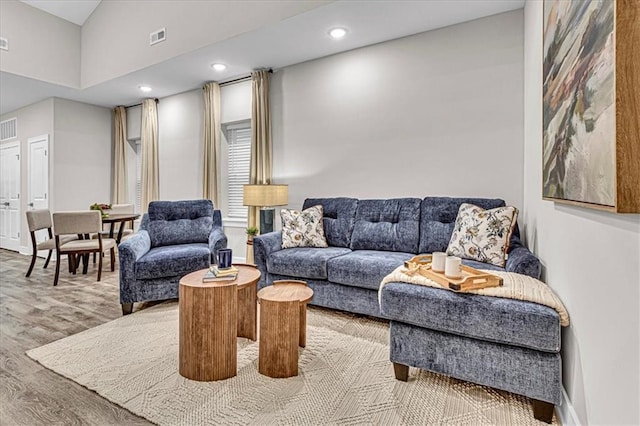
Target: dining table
(122, 219)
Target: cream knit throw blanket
(515, 286)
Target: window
(238, 163)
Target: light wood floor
(33, 313)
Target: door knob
(7, 204)
(30, 204)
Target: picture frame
(591, 104)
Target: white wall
(81, 155)
(591, 259)
(33, 120)
(110, 51)
(180, 123)
(41, 46)
(438, 113)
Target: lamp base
(266, 219)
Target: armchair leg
(401, 371)
(33, 262)
(542, 410)
(46, 263)
(127, 308)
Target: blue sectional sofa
(507, 344)
(174, 239)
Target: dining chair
(127, 232)
(82, 223)
(37, 220)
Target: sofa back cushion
(339, 215)
(179, 222)
(390, 225)
(438, 217)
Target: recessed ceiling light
(219, 67)
(144, 88)
(338, 33)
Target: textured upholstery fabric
(303, 228)
(76, 245)
(527, 372)
(495, 319)
(169, 261)
(339, 216)
(388, 225)
(149, 272)
(336, 296)
(303, 262)
(364, 268)
(39, 219)
(82, 222)
(438, 217)
(51, 244)
(521, 260)
(180, 222)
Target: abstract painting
(579, 109)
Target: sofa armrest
(263, 246)
(129, 251)
(522, 261)
(217, 239)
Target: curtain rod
(241, 79)
(135, 105)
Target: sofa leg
(401, 371)
(542, 410)
(127, 308)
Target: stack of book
(216, 274)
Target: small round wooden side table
(283, 326)
(212, 315)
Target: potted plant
(251, 231)
(102, 207)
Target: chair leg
(99, 267)
(85, 263)
(55, 279)
(401, 371)
(94, 258)
(113, 259)
(542, 410)
(33, 262)
(72, 263)
(127, 308)
(46, 263)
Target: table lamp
(265, 196)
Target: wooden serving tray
(472, 279)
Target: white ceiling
(294, 40)
(76, 11)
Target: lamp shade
(265, 195)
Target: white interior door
(10, 196)
(39, 178)
(39, 173)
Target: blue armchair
(174, 239)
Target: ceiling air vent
(8, 129)
(4, 43)
(157, 36)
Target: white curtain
(149, 144)
(211, 141)
(261, 148)
(119, 185)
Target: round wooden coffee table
(283, 326)
(212, 316)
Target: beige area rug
(345, 378)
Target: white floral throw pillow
(303, 229)
(483, 235)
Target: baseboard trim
(565, 411)
(26, 250)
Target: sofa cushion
(179, 222)
(495, 319)
(387, 225)
(339, 215)
(483, 234)
(170, 261)
(303, 262)
(365, 268)
(438, 216)
(303, 228)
